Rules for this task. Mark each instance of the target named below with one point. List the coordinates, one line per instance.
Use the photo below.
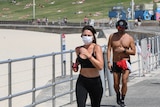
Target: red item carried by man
(122, 64)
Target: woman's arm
(98, 61)
(75, 64)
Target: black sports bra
(85, 63)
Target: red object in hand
(75, 67)
(122, 64)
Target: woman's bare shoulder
(97, 47)
(77, 49)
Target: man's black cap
(122, 23)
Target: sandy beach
(19, 43)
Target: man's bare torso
(120, 41)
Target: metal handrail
(54, 83)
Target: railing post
(71, 77)
(158, 40)
(102, 72)
(109, 76)
(139, 66)
(53, 80)
(150, 53)
(10, 83)
(157, 47)
(34, 81)
(153, 53)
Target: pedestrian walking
(122, 46)
(90, 58)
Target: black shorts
(117, 69)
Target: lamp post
(132, 5)
(34, 4)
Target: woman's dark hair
(91, 28)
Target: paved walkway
(142, 92)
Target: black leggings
(93, 86)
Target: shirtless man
(122, 46)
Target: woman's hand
(75, 67)
(85, 52)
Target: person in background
(46, 21)
(90, 58)
(65, 20)
(110, 22)
(85, 20)
(139, 20)
(122, 46)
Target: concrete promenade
(142, 92)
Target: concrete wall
(49, 29)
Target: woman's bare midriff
(89, 72)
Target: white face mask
(87, 39)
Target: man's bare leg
(117, 77)
(125, 75)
